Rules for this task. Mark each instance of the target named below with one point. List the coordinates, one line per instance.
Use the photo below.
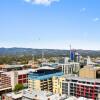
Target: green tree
(18, 87)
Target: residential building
(42, 79)
(81, 87)
(18, 77)
(5, 83)
(57, 84)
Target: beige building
(43, 79)
(5, 82)
(90, 72)
(57, 84)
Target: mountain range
(53, 52)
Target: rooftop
(33, 94)
(20, 72)
(15, 95)
(82, 79)
(41, 95)
(12, 66)
(44, 73)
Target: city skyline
(52, 24)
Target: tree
(18, 87)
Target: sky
(52, 24)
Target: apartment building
(17, 77)
(82, 87)
(42, 79)
(5, 83)
(57, 84)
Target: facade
(81, 87)
(90, 72)
(42, 78)
(70, 68)
(17, 77)
(5, 84)
(23, 77)
(57, 84)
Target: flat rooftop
(12, 66)
(32, 94)
(15, 95)
(44, 73)
(81, 79)
(41, 95)
(20, 72)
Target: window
(24, 76)
(20, 77)
(24, 81)
(20, 81)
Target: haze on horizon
(52, 24)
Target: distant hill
(53, 52)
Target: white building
(70, 67)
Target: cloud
(42, 2)
(83, 10)
(96, 19)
